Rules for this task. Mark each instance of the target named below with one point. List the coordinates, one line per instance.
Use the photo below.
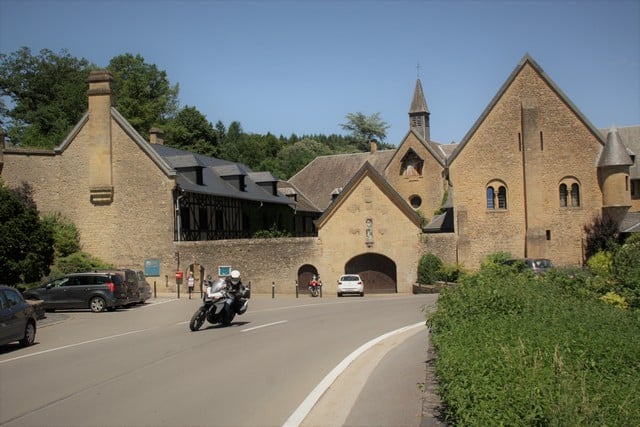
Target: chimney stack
(99, 126)
(156, 136)
(373, 145)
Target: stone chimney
(373, 146)
(156, 136)
(99, 127)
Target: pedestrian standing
(191, 283)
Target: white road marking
(307, 404)
(263, 326)
(72, 345)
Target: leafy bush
(516, 350)
(65, 234)
(496, 259)
(625, 269)
(429, 269)
(600, 264)
(78, 262)
(601, 235)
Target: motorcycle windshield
(218, 285)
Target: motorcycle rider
(234, 285)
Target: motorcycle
(220, 304)
(314, 288)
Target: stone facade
(528, 145)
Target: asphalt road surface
(143, 367)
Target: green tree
(190, 130)
(364, 128)
(26, 247)
(429, 269)
(48, 94)
(230, 145)
(601, 235)
(144, 95)
(294, 157)
(65, 234)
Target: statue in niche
(369, 232)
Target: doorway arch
(305, 274)
(378, 272)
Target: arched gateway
(378, 272)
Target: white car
(350, 284)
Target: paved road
(142, 366)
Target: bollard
(178, 285)
(273, 290)
(155, 291)
(297, 290)
(320, 289)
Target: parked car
(143, 287)
(17, 318)
(539, 266)
(95, 291)
(130, 281)
(350, 284)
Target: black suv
(96, 291)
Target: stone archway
(378, 272)
(305, 273)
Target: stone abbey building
(526, 178)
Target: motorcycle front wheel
(197, 319)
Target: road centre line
(298, 416)
(264, 326)
(72, 345)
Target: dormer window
(411, 164)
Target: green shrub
(600, 264)
(65, 234)
(429, 269)
(519, 351)
(625, 269)
(78, 262)
(496, 259)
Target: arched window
(563, 195)
(496, 190)
(575, 195)
(502, 198)
(491, 198)
(569, 192)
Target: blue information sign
(152, 267)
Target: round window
(415, 201)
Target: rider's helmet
(235, 277)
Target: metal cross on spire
(418, 69)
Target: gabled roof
(431, 146)
(526, 60)
(367, 170)
(324, 174)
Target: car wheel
(97, 304)
(339, 294)
(362, 293)
(29, 334)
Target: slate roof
(614, 152)
(213, 169)
(324, 174)
(630, 137)
(630, 223)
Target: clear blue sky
(300, 66)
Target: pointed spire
(419, 103)
(614, 152)
(419, 113)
